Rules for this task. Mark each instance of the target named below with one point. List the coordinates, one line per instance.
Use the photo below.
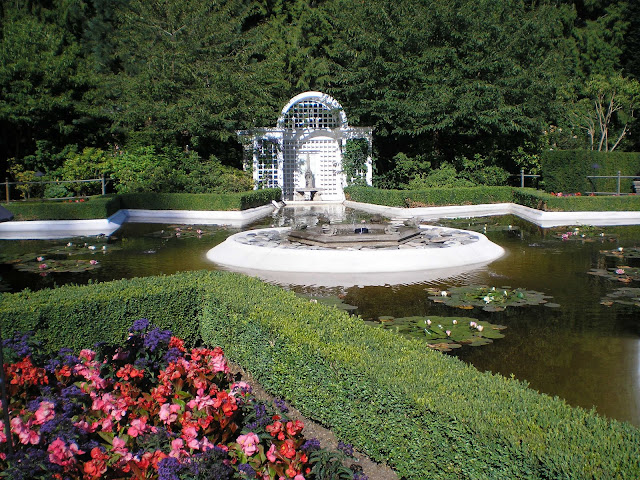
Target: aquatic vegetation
(624, 296)
(185, 231)
(444, 333)
(624, 273)
(491, 299)
(50, 266)
(331, 301)
(586, 233)
(628, 253)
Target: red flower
(288, 449)
(294, 428)
(275, 430)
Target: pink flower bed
(150, 409)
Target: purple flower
(247, 470)
(52, 364)
(139, 325)
(168, 469)
(155, 338)
(310, 445)
(19, 343)
(280, 405)
(172, 355)
(345, 448)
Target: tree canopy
(441, 82)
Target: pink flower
(25, 434)
(40, 258)
(61, 454)
(177, 447)
(87, 355)
(240, 387)
(270, 453)
(169, 413)
(249, 443)
(620, 271)
(43, 266)
(93, 262)
(44, 413)
(298, 477)
(138, 426)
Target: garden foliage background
(152, 92)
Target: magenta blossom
(249, 443)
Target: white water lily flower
(487, 299)
(444, 293)
(448, 332)
(480, 328)
(473, 324)
(455, 322)
(429, 321)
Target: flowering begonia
(147, 409)
(249, 443)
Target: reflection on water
(584, 352)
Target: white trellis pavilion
(303, 154)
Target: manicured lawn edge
(426, 414)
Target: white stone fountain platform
(436, 253)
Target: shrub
(202, 201)
(430, 197)
(105, 206)
(428, 415)
(82, 209)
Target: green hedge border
(105, 206)
(426, 414)
(528, 197)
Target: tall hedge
(427, 414)
(567, 170)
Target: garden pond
(561, 310)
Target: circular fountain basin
(276, 255)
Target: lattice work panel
(310, 114)
(267, 164)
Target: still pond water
(583, 351)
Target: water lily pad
(624, 253)
(624, 274)
(491, 299)
(332, 301)
(444, 333)
(624, 296)
(185, 231)
(584, 234)
(57, 266)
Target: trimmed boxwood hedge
(427, 414)
(429, 197)
(200, 201)
(528, 197)
(103, 207)
(92, 207)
